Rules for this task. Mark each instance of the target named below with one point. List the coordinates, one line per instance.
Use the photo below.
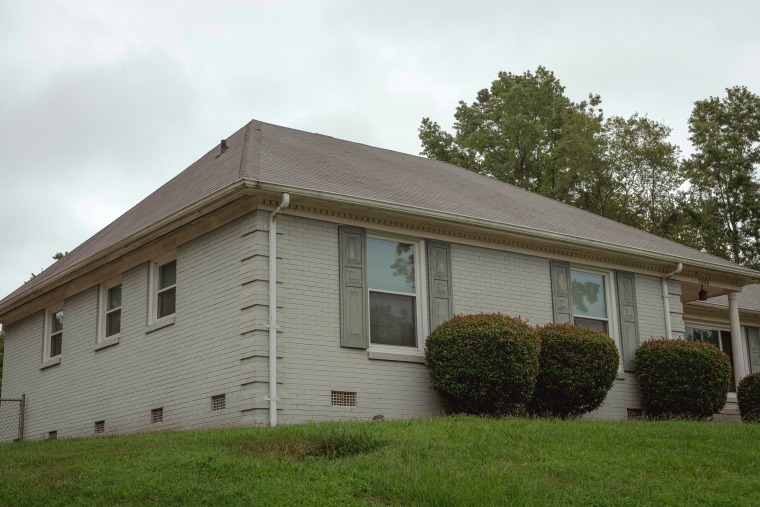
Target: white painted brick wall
(178, 367)
(219, 342)
(315, 364)
(487, 281)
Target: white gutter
(666, 300)
(273, 308)
(506, 228)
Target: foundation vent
(157, 415)
(52, 435)
(100, 427)
(342, 399)
(634, 414)
(218, 402)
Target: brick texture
(218, 343)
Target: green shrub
(682, 379)
(483, 364)
(748, 396)
(577, 368)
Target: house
(288, 277)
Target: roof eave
(207, 204)
(745, 273)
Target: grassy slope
(449, 461)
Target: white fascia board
(502, 227)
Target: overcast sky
(102, 101)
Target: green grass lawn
(448, 461)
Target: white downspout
(666, 299)
(273, 308)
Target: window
(384, 283)
(163, 287)
(167, 289)
(717, 337)
(110, 309)
(753, 347)
(53, 333)
(395, 316)
(589, 296)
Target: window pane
(113, 323)
(392, 319)
(166, 301)
(58, 321)
(167, 275)
(702, 335)
(114, 297)
(599, 325)
(588, 295)
(390, 265)
(55, 344)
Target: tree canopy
(525, 131)
(724, 198)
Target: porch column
(736, 337)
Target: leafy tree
(523, 130)
(637, 179)
(724, 196)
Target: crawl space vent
(100, 427)
(342, 399)
(218, 402)
(634, 414)
(157, 415)
(52, 435)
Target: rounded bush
(682, 379)
(483, 364)
(577, 367)
(748, 396)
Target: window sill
(396, 356)
(55, 361)
(108, 342)
(159, 324)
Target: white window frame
(610, 298)
(46, 347)
(153, 291)
(420, 284)
(104, 311)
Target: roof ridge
(251, 155)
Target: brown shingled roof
(264, 154)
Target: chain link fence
(12, 419)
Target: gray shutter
(629, 328)
(561, 297)
(354, 314)
(753, 344)
(439, 282)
